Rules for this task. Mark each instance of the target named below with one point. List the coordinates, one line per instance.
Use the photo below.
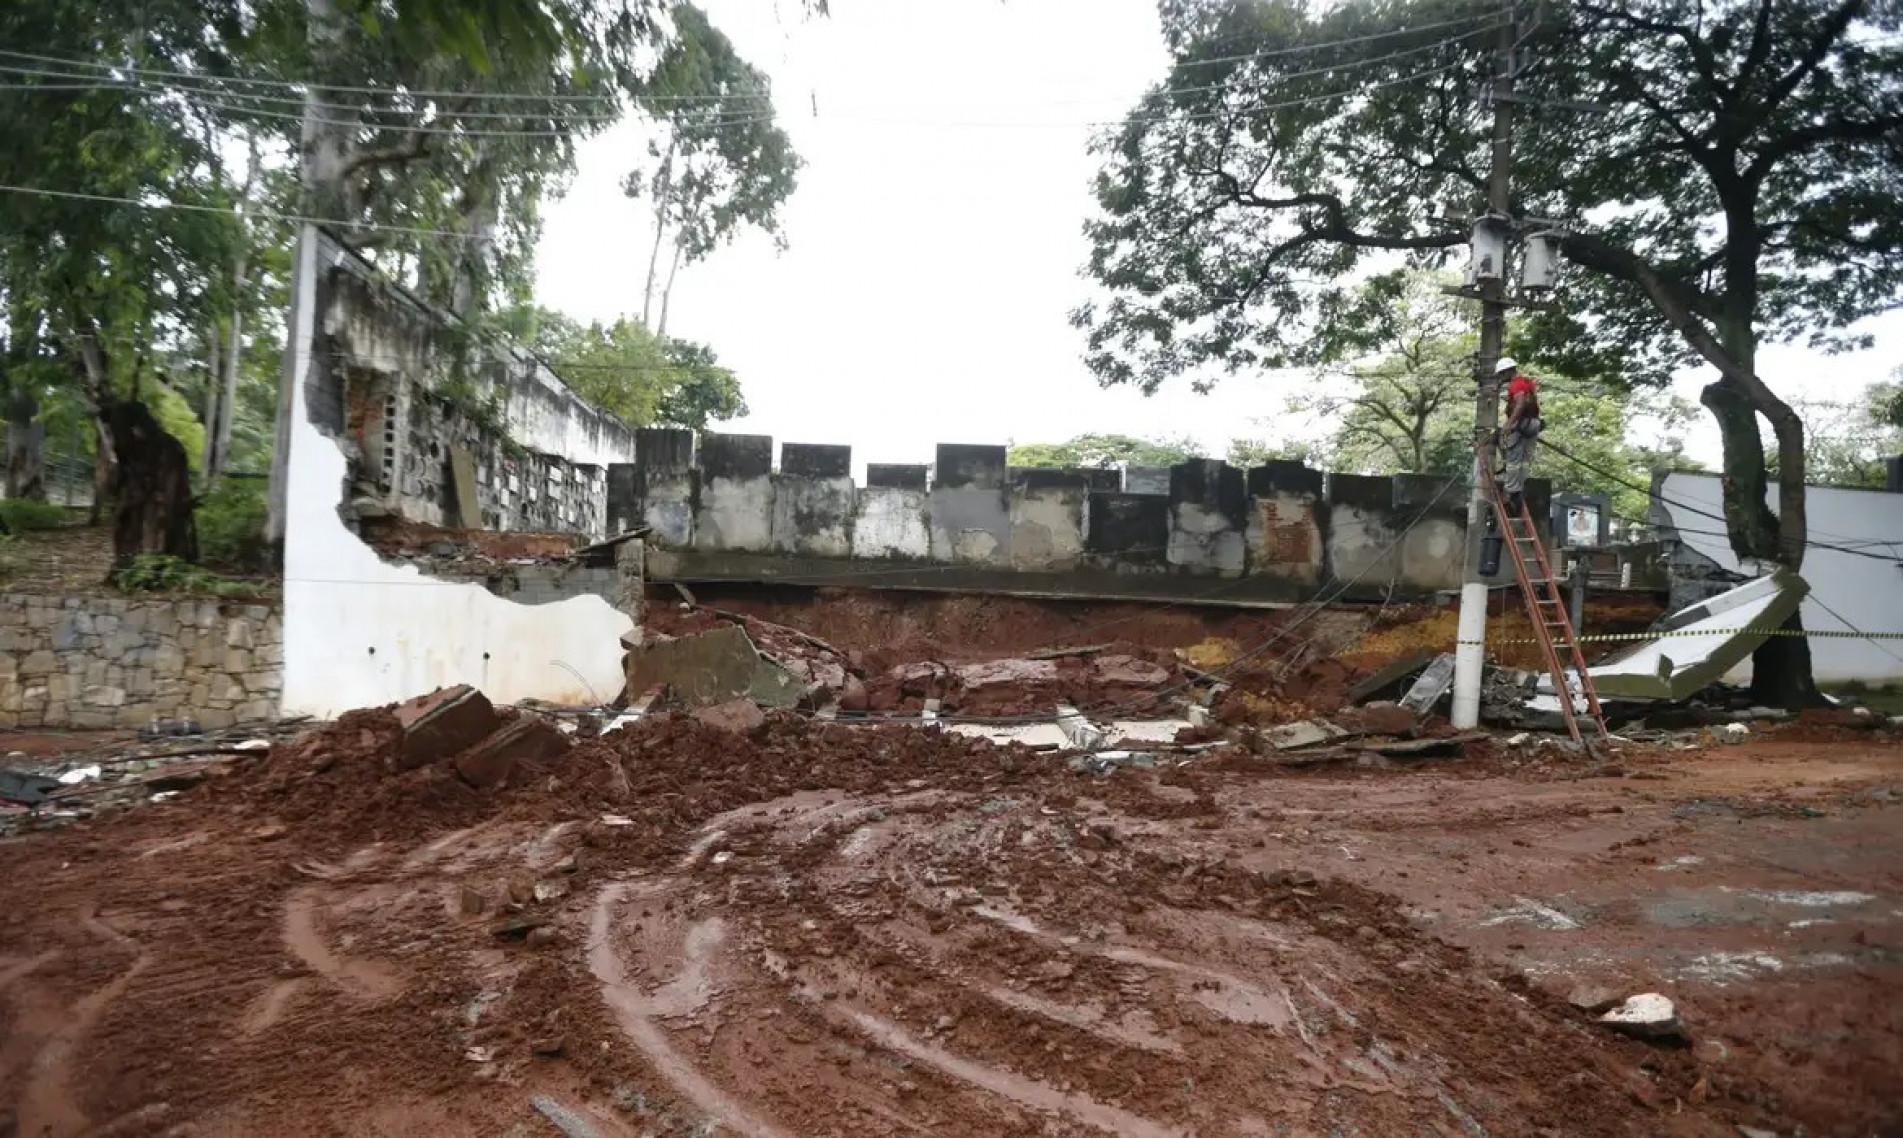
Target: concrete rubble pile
(460, 727)
(740, 657)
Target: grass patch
(22, 515)
(161, 573)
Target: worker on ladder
(1522, 426)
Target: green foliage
(1103, 451)
(1746, 159)
(179, 421)
(645, 380)
(728, 163)
(1254, 452)
(231, 525)
(21, 516)
(161, 573)
(1398, 397)
(1847, 442)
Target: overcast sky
(936, 237)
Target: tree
(1103, 452)
(99, 286)
(1743, 183)
(645, 380)
(725, 163)
(1849, 441)
(1400, 365)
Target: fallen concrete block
(523, 739)
(1129, 671)
(442, 723)
(712, 667)
(1647, 1016)
(737, 715)
(1392, 681)
(1382, 719)
(1305, 733)
(1433, 684)
(1593, 998)
(994, 673)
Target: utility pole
(1470, 652)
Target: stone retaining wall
(91, 662)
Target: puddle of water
(1721, 968)
(1244, 1004)
(360, 978)
(1807, 900)
(1677, 863)
(692, 987)
(636, 1013)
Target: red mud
(813, 929)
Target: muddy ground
(828, 930)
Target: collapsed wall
(717, 508)
(388, 419)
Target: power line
(194, 207)
(300, 86)
(743, 120)
(1297, 49)
(1690, 509)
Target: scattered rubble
(1648, 1016)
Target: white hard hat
(1506, 364)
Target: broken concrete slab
(737, 715)
(1081, 732)
(1381, 719)
(1305, 733)
(526, 738)
(1129, 671)
(712, 667)
(442, 723)
(1593, 998)
(1393, 681)
(1433, 684)
(1007, 673)
(1647, 1016)
(1701, 643)
(1422, 748)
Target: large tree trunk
(1781, 674)
(660, 232)
(26, 448)
(105, 475)
(667, 293)
(153, 513)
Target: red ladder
(1547, 610)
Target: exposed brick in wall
(95, 662)
(389, 366)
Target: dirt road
(831, 930)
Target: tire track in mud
(48, 1104)
(974, 956)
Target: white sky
(936, 238)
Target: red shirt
(1520, 385)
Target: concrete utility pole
(1470, 653)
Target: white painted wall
(1866, 590)
(891, 523)
(360, 633)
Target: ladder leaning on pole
(1547, 611)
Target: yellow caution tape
(1619, 637)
